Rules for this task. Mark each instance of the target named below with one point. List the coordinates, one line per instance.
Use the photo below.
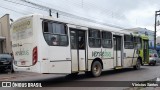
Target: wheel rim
(96, 69)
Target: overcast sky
(124, 13)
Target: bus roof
(79, 22)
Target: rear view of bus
(23, 44)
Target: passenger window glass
(58, 28)
(45, 28)
(81, 40)
(55, 34)
(106, 39)
(94, 38)
(63, 40)
(128, 42)
(137, 42)
(73, 40)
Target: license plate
(23, 62)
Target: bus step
(118, 67)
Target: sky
(123, 13)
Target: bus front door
(117, 51)
(78, 49)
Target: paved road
(145, 73)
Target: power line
(15, 6)
(75, 12)
(101, 9)
(23, 4)
(97, 17)
(44, 8)
(13, 10)
(68, 14)
(30, 6)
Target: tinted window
(94, 38)
(106, 39)
(81, 39)
(73, 39)
(58, 28)
(55, 34)
(128, 42)
(137, 41)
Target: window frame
(58, 35)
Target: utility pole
(155, 30)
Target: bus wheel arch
(97, 59)
(96, 67)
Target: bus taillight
(35, 55)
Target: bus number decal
(104, 54)
(22, 52)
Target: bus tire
(138, 65)
(96, 69)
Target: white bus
(46, 44)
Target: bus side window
(94, 38)
(55, 34)
(106, 39)
(128, 42)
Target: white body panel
(128, 60)
(119, 58)
(60, 67)
(74, 60)
(108, 58)
(82, 60)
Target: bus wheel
(96, 69)
(138, 65)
